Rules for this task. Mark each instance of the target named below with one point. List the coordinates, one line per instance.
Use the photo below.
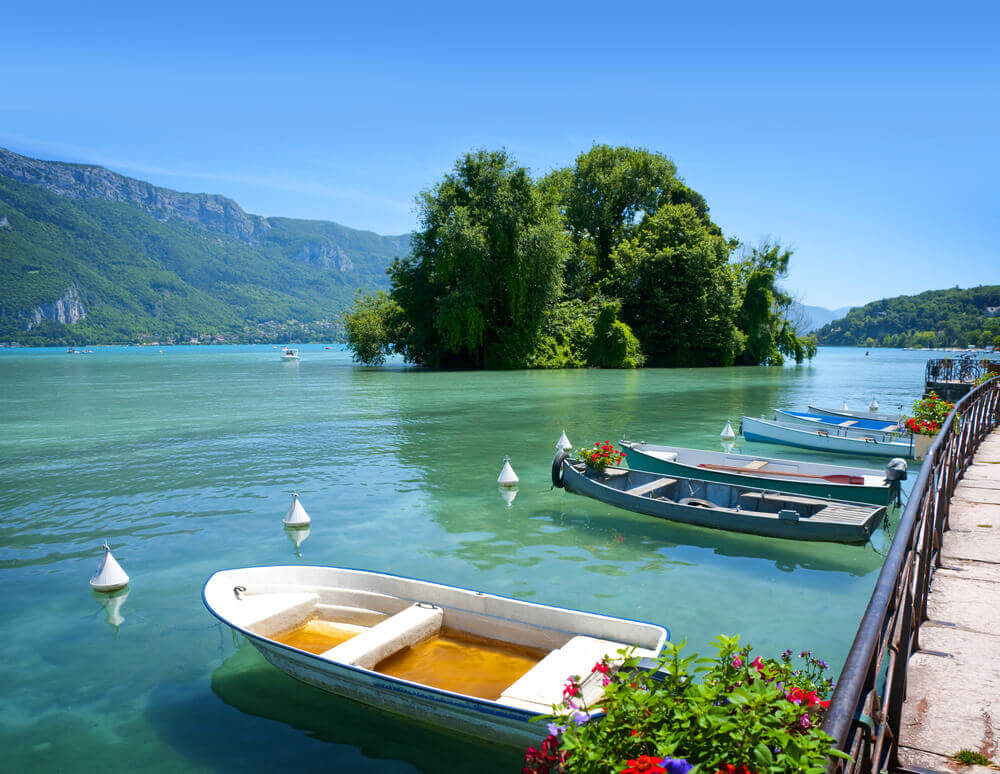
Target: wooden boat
(806, 478)
(853, 428)
(470, 662)
(724, 506)
(823, 440)
(896, 418)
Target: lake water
(183, 458)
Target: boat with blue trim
(824, 440)
(467, 661)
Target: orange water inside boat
(316, 635)
(463, 663)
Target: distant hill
(810, 318)
(935, 318)
(91, 256)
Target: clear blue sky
(864, 136)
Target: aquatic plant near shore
(733, 714)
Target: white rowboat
(823, 440)
(470, 662)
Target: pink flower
(758, 664)
(737, 662)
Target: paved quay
(953, 682)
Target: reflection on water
(246, 682)
(112, 603)
(298, 536)
(183, 459)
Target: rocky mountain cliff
(81, 181)
(88, 255)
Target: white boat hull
(772, 432)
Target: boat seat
(269, 614)
(781, 497)
(649, 486)
(365, 650)
(756, 464)
(543, 684)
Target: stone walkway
(953, 683)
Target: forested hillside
(935, 318)
(89, 256)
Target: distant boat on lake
(717, 505)
(823, 440)
(471, 662)
(288, 355)
(806, 478)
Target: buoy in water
(296, 516)
(508, 494)
(728, 446)
(563, 443)
(844, 406)
(298, 536)
(507, 477)
(727, 433)
(873, 406)
(109, 576)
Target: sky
(864, 136)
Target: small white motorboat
(470, 662)
(290, 355)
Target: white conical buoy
(563, 443)
(109, 576)
(844, 407)
(873, 406)
(507, 475)
(508, 494)
(298, 536)
(727, 433)
(296, 515)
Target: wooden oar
(836, 478)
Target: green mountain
(91, 256)
(935, 318)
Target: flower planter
(921, 445)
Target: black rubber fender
(557, 474)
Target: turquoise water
(183, 458)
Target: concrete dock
(953, 682)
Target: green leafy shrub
(729, 714)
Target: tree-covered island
(613, 262)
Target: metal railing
(867, 703)
(962, 369)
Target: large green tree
(485, 266)
(677, 288)
(763, 308)
(609, 190)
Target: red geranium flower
(645, 764)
